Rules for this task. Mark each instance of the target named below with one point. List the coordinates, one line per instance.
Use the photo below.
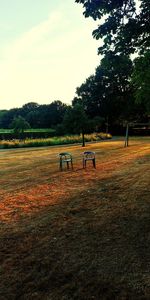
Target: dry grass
(53, 141)
(81, 234)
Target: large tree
(108, 93)
(124, 29)
(124, 24)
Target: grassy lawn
(81, 234)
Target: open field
(81, 234)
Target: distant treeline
(38, 116)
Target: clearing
(81, 234)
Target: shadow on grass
(79, 250)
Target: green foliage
(38, 116)
(107, 92)
(123, 27)
(75, 119)
(19, 124)
(141, 79)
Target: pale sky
(46, 51)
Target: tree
(8, 116)
(2, 115)
(56, 111)
(124, 28)
(76, 121)
(34, 118)
(19, 124)
(30, 106)
(27, 109)
(51, 114)
(109, 92)
(89, 95)
(141, 80)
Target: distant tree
(8, 116)
(30, 106)
(51, 114)
(34, 118)
(76, 121)
(2, 115)
(19, 124)
(56, 111)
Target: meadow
(76, 234)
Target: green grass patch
(28, 130)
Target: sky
(46, 51)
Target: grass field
(81, 234)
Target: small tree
(76, 121)
(19, 124)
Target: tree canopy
(119, 86)
(141, 80)
(108, 93)
(124, 25)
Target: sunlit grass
(69, 139)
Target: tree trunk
(127, 136)
(83, 140)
